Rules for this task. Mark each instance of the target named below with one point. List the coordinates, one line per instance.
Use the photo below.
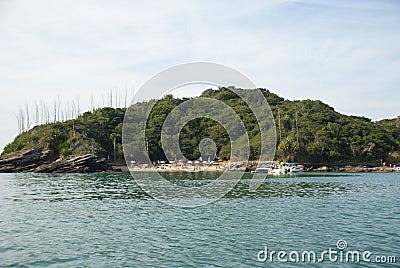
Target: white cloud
(344, 53)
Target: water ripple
(105, 220)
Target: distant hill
(307, 131)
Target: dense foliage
(91, 133)
(306, 131)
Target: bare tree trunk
(78, 108)
(55, 111)
(91, 103)
(42, 112)
(73, 109)
(126, 96)
(28, 122)
(47, 115)
(17, 116)
(58, 107)
(19, 124)
(22, 119)
(119, 98)
(116, 97)
(68, 111)
(37, 119)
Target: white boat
(279, 169)
(395, 168)
(296, 170)
(262, 170)
(293, 168)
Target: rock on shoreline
(252, 165)
(41, 160)
(348, 168)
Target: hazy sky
(346, 53)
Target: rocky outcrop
(41, 160)
(321, 169)
(79, 164)
(25, 161)
(349, 168)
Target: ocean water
(106, 220)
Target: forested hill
(307, 131)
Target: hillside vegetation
(306, 131)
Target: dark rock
(41, 160)
(322, 169)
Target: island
(309, 132)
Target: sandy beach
(238, 166)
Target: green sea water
(106, 220)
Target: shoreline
(236, 167)
(42, 160)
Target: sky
(344, 53)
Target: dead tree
(18, 124)
(76, 108)
(21, 120)
(28, 121)
(37, 119)
(91, 103)
(42, 112)
(55, 111)
(58, 107)
(126, 96)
